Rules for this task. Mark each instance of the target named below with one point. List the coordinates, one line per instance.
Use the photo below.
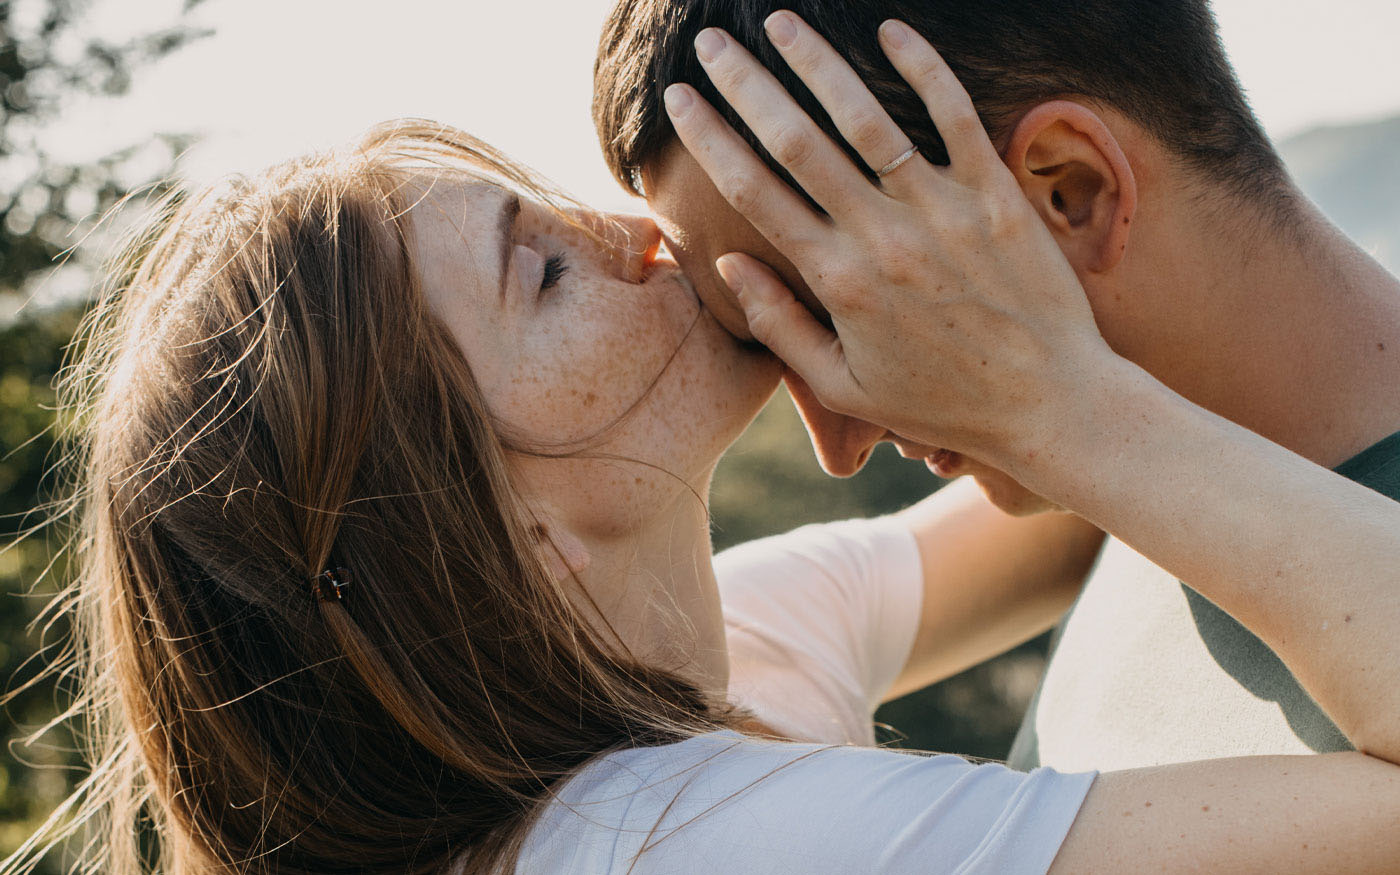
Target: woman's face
(586, 348)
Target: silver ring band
(896, 163)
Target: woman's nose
(633, 242)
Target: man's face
(699, 226)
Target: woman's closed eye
(554, 269)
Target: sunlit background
(270, 78)
(279, 76)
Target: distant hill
(1353, 173)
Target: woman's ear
(1076, 175)
(563, 551)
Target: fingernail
(729, 272)
(782, 32)
(678, 99)
(709, 44)
(896, 33)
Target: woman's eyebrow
(510, 210)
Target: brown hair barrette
(327, 585)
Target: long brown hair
(264, 396)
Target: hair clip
(327, 585)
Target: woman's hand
(958, 322)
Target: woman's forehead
(461, 227)
(454, 193)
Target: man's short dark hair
(1158, 62)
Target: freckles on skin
(616, 367)
(572, 378)
(663, 451)
(565, 363)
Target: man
(1128, 133)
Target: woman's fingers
(740, 176)
(785, 130)
(780, 322)
(951, 110)
(859, 117)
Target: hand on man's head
(953, 308)
(700, 226)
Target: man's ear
(842, 443)
(563, 551)
(1075, 174)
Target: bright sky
(280, 76)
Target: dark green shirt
(1147, 671)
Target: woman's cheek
(577, 391)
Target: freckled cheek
(571, 384)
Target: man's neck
(1288, 329)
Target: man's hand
(957, 321)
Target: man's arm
(990, 580)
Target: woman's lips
(944, 463)
(665, 269)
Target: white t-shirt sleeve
(820, 622)
(723, 803)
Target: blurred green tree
(45, 62)
(46, 204)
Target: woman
(395, 559)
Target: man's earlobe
(1075, 173)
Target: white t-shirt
(820, 623)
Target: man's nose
(633, 242)
(843, 444)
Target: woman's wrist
(1083, 447)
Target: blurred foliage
(770, 482)
(35, 777)
(46, 204)
(46, 61)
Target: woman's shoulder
(820, 622)
(724, 802)
(838, 549)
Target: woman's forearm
(1306, 559)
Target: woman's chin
(710, 392)
(719, 324)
